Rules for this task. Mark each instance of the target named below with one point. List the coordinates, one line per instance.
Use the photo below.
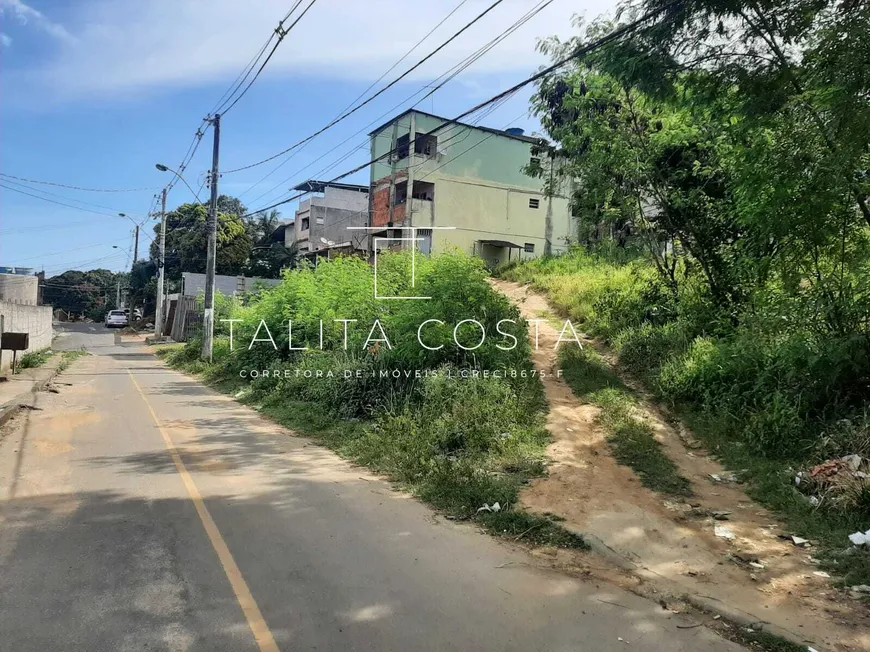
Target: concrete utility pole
(161, 264)
(211, 227)
(118, 295)
(136, 247)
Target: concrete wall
(479, 188)
(20, 318)
(329, 216)
(19, 288)
(194, 284)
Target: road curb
(9, 409)
(704, 603)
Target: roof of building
(319, 186)
(501, 243)
(499, 132)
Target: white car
(116, 319)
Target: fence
(187, 318)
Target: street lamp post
(159, 314)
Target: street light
(165, 168)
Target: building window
(424, 191)
(402, 146)
(535, 162)
(304, 224)
(529, 248)
(401, 193)
(425, 144)
(318, 220)
(534, 203)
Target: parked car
(116, 319)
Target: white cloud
(5, 40)
(126, 47)
(26, 15)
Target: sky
(94, 93)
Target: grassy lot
(455, 442)
(767, 403)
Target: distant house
(466, 177)
(322, 220)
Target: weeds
(454, 439)
(67, 358)
(764, 395)
(629, 435)
(33, 359)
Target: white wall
(20, 318)
(18, 288)
(194, 284)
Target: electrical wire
(54, 226)
(443, 79)
(577, 53)
(281, 32)
(63, 185)
(228, 95)
(59, 253)
(359, 97)
(86, 210)
(372, 97)
(118, 213)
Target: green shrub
(468, 442)
(644, 349)
(33, 359)
(428, 418)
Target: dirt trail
(666, 542)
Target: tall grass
(767, 394)
(418, 415)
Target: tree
(90, 293)
(268, 258)
(186, 240)
(736, 138)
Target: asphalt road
(143, 511)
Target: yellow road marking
(256, 622)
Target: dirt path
(671, 544)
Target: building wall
(481, 211)
(194, 284)
(22, 318)
(461, 152)
(19, 288)
(329, 216)
(479, 188)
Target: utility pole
(161, 264)
(136, 247)
(211, 227)
(118, 295)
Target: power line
(63, 185)
(52, 194)
(237, 83)
(228, 94)
(58, 253)
(86, 210)
(577, 53)
(447, 76)
(361, 95)
(372, 97)
(281, 32)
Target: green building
(462, 185)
